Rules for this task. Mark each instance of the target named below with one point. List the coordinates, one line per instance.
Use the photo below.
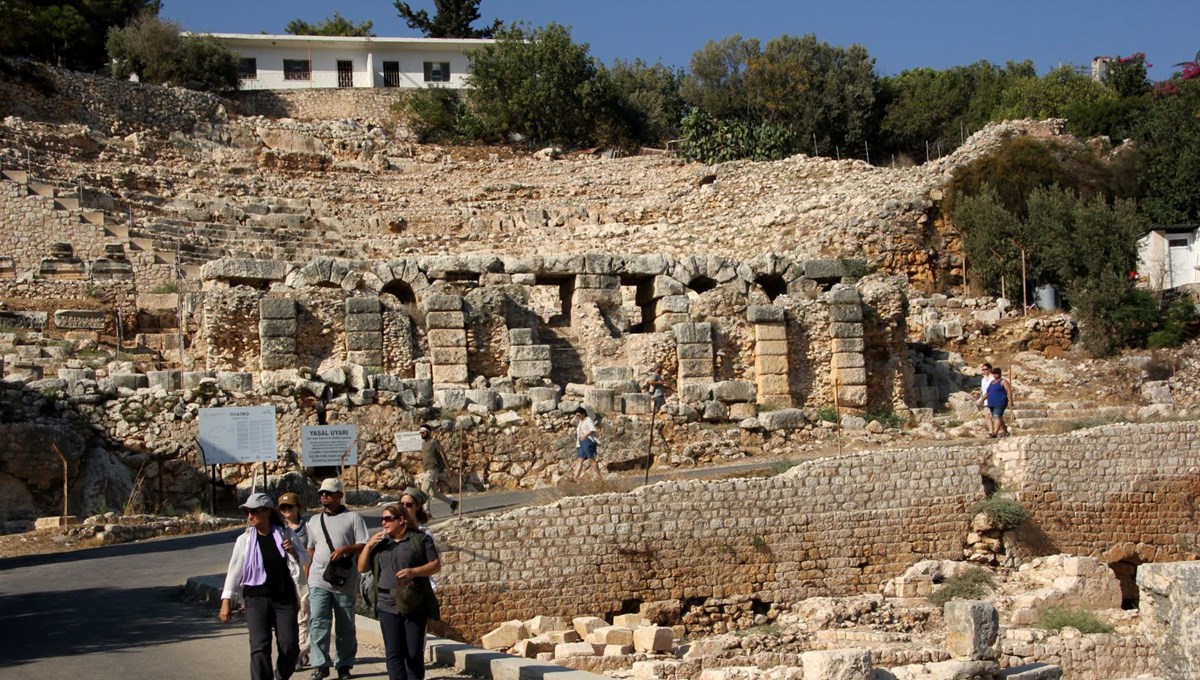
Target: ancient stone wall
(796, 535)
(1092, 656)
(318, 104)
(1117, 492)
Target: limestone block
(277, 308)
(422, 369)
(782, 419)
(734, 391)
(233, 268)
(450, 373)
(529, 352)
(851, 376)
(693, 332)
(445, 320)
(637, 404)
(81, 319)
(601, 297)
(658, 669)
(1169, 600)
(505, 635)
(773, 384)
(448, 355)
(701, 369)
(674, 304)
(586, 624)
(543, 394)
(842, 294)
(531, 647)
(849, 313)
(520, 336)
(450, 400)
(529, 369)
(630, 621)
(693, 392)
(510, 401)
(366, 357)
(447, 337)
(848, 345)
(617, 650)
(852, 396)
(972, 629)
(486, 398)
(740, 412)
(665, 286)
(364, 322)
(443, 303)
(611, 635)
(191, 379)
(770, 364)
(762, 314)
(275, 362)
(1033, 671)
(235, 381)
(363, 305)
(73, 375)
(167, 380)
(544, 624)
(55, 522)
(837, 664)
(560, 636)
(770, 331)
(694, 350)
(284, 345)
(653, 639)
(277, 328)
(566, 650)
(363, 341)
(666, 322)
(845, 330)
(848, 360)
(715, 412)
(771, 347)
(825, 270)
(603, 281)
(599, 399)
(612, 374)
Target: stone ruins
(164, 251)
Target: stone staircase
(566, 364)
(1064, 416)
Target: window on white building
(391, 74)
(297, 69)
(437, 71)
(248, 68)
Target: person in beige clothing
(434, 464)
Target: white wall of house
(1168, 259)
(370, 61)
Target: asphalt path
(118, 612)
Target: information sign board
(408, 441)
(238, 434)
(325, 445)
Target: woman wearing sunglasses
(263, 571)
(403, 558)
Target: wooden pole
(650, 442)
(65, 473)
(1024, 286)
(461, 466)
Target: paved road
(116, 612)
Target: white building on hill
(1168, 258)
(288, 62)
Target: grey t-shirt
(394, 556)
(345, 528)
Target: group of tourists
(299, 581)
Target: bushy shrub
(432, 114)
(1083, 620)
(1177, 321)
(973, 583)
(1004, 510)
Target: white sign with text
(238, 434)
(408, 441)
(327, 444)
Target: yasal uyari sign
(329, 445)
(238, 434)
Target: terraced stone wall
(359, 104)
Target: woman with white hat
(263, 572)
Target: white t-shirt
(585, 427)
(983, 385)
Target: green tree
(538, 84)
(716, 83)
(16, 22)
(336, 25)
(451, 19)
(1169, 176)
(1127, 76)
(153, 49)
(72, 34)
(648, 100)
(1059, 94)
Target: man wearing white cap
(434, 463)
(335, 535)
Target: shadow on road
(163, 544)
(41, 625)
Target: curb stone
(473, 660)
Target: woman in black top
(403, 557)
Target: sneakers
(319, 673)
(453, 506)
(343, 673)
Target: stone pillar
(770, 355)
(602, 290)
(694, 348)
(972, 629)
(846, 328)
(364, 331)
(277, 333)
(525, 359)
(447, 324)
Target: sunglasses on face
(388, 518)
(286, 506)
(409, 505)
(324, 493)
(253, 511)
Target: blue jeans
(329, 607)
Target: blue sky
(899, 35)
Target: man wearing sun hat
(434, 463)
(333, 534)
